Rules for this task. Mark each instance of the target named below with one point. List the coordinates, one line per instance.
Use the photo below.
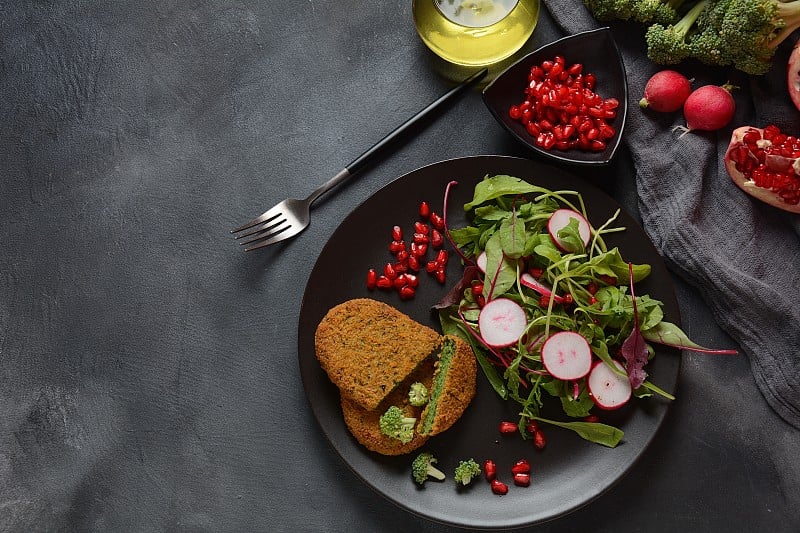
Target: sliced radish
(560, 219)
(566, 355)
(480, 261)
(533, 283)
(608, 389)
(501, 322)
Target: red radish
(480, 261)
(608, 389)
(765, 164)
(560, 219)
(793, 75)
(709, 108)
(543, 290)
(501, 322)
(566, 355)
(666, 91)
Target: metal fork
(291, 216)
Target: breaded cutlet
(368, 347)
(364, 425)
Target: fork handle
(365, 158)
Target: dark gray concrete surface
(148, 367)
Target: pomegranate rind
(747, 185)
(793, 75)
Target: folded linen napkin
(743, 256)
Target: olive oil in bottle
(475, 32)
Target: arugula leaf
(669, 334)
(592, 431)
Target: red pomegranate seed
(389, 271)
(406, 292)
(506, 427)
(522, 480)
(591, 418)
(421, 227)
(437, 221)
(412, 280)
(421, 238)
(538, 440)
(372, 278)
(424, 210)
(383, 283)
(521, 467)
(499, 488)
(399, 281)
(396, 246)
(489, 469)
(397, 233)
(400, 268)
(477, 288)
(431, 267)
(413, 263)
(437, 239)
(441, 275)
(419, 249)
(532, 426)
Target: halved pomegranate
(765, 164)
(793, 75)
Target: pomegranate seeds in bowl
(567, 100)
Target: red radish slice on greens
(501, 322)
(480, 261)
(566, 355)
(608, 389)
(560, 220)
(533, 283)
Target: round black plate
(570, 472)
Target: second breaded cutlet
(367, 348)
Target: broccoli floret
(645, 11)
(668, 45)
(418, 394)
(466, 471)
(422, 468)
(394, 423)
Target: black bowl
(598, 52)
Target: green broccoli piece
(668, 45)
(645, 11)
(466, 471)
(394, 423)
(422, 468)
(418, 394)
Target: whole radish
(709, 108)
(793, 75)
(665, 91)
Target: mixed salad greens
(564, 278)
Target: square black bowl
(597, 51)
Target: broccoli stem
(789, 12)
(682, 27)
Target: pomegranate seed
(441, 258)
(402, 256)
(419, 249)
(514, 112)
(406, 292)
(507, 427)
(522, 480)
(372, 278)
(397, 233)
(412, 280)
(489, 469)
(400, 268)
(396, 246)
(431, 267)
(421, 227)
(568, 299)
(499, 488)
(441, 275)
(544, 301)
(591, 418)
(592, 300)
(536, 272)
(477, 288)
(575, 69)
(521, 467)
(437, 221)
(424, 210)
(538, 440)
(383, 283)
(481, 300)
(389, 271)
(437, 239)
(399, 281)
(532, 426)
(413, 263)
(592, 288)
(421, 238)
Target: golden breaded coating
(458, 388)
(365, 425)
(368, 347)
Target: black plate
(599, 54)
(570, 472)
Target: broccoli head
(418, 394)
(395, 424)
(422, 468)
(668, 45)
(466, 471)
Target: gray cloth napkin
(743, 256)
